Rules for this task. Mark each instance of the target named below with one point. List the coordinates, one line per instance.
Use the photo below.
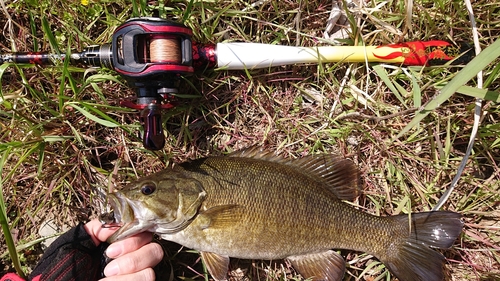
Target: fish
(253, 204)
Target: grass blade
(50, 36)
(477, 64)
(484, 94)
(108, 123)
(383, 75)
(5, 225)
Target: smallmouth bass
(255, 205)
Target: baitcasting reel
(151, 54)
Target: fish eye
(148, 189)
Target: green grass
(62, 129)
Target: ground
(64, 133)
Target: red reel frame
(154, 73)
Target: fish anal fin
(325, 266)
(217, 265)
(340, 175)
(221, 216)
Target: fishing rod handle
(234, 56)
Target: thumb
(97, 232)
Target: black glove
(73, 256)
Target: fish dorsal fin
(341, 176)
(323, 266)
(217, 265)
(257, 153)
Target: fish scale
(255, 205)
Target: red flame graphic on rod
(420, 52)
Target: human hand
(133, 257)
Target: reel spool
(151, 54)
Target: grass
(62, 129)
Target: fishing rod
(152, 54)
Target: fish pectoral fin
(319, 266)
(220, 216)
(217, 265)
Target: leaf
(417, 94)
(385, 78)
(3, 67)
(482, 60)
(56, 138)
(4, 224)
(50, 36)
(94, 118)
(484, 94)
(187, 12)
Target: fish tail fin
(414, 259)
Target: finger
(129, 245)
(97, 232)
(147, 274)
(147, 256)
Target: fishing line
(477, 115)
(164, 49)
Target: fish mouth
(125, 215)
(120, 213)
